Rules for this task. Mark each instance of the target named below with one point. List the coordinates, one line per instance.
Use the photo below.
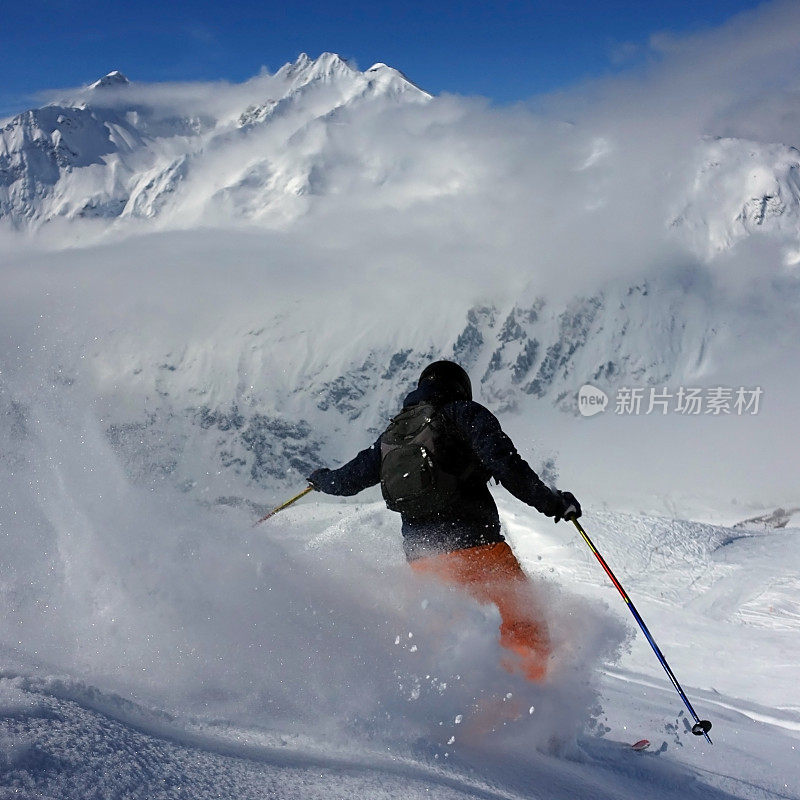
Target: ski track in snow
(61, 737)
(67, 739)
(785, 720)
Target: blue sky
(503, 50)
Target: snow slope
(232, 364)
(63, 737)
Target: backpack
(413, 480)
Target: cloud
(557, 197)
(458, 199)
(563, 193)
(700, 83)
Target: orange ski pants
(491, 574)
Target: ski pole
(701, 727)
(284, 505)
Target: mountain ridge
(120, 150)
(105, 153)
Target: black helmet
(449, 374)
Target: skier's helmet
(450, 376)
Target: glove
(317, 478)
(571, 509)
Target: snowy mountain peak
(306, 69)
(261, 150)
(114, 78)
(97, 155)
(391, 79)
(332, 68)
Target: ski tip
(642, 744)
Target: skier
(434, 462)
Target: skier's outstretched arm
(497, 453)
(351, 478)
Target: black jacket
(478, 437)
